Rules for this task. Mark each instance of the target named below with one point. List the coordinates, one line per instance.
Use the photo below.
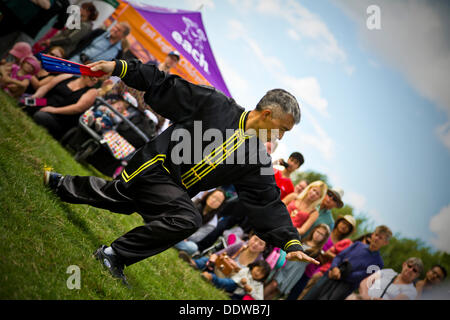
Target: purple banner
(185, 31)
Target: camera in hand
(84, 58)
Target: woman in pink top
(302, 207)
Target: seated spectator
(283, 174)
(16, 79)
(248, 281)
(43, 76)
(243, 253)
(101, 44)
(433, 277)
(170, 61)
(67, 98)
(232, 215)
(302, 207)
(387, 284)
(336, 243)
(350, 267)
(287, 277)
(300, 186)
(67, 38)
(19, 51)
(103, 119)
(209, 206)
(332, 199)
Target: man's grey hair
(280, 102)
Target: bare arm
(366, 284)
(308, 223)
(36, 83)
(291, 196)
(82, 105)
(42, 91)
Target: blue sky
(375, 103)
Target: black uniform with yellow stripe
(205, 147)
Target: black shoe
(112, 263)
(52, 179)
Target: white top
(386, 275)
(257, 292)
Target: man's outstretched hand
(102, 65)
(300, 256)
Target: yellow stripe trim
(209, 169)
(290, 243)
(221, 155)
(124, 68)
(201, 163)
(159, 157)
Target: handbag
(225, 266)
(273, 258)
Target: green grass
(40, 236)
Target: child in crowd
(287, 277)
(15, 80)
(248, 281)
(103, 118)
(19, 51)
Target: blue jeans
(224, 283)
(201, 262)
(189, 246)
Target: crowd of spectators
(349, 269)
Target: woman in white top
(386, 284)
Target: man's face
(294, 164)
(378, 240)
(117, 31)
(274, 127)
(435, 275)
(329, 201)
(171, 61)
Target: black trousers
(166, 208)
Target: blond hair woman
(303, 207)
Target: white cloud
(439, 225)
(308, 91)
(236, 29)
(293, 34)
(319, 40)
(413, 39)
(356, 200)
(197, 4)
(322, 44)
(318, 139)
(237, 85)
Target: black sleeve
(267, 214)
(168, 95)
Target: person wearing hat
(337, 242)
(332, 199)
(19, 51)
(16, 81)
(170, 61)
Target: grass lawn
(41, 237)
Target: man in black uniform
(212, 142)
